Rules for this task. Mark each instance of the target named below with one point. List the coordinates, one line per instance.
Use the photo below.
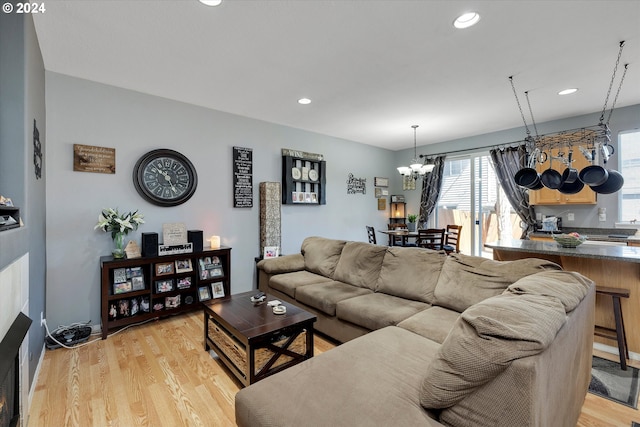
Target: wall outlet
(42, 318)
(571, 217)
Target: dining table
(403, 233)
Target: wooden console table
(608, 266)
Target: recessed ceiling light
(466, 20)
(568, 91)
(304, 101)
(211, 2)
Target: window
(629, 146)
(455, 167)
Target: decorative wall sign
(382, 204)
(88, 158)
(242, 177)
(356, 185)
(37, 151)
(380, 182)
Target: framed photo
(271, 252)
(216, 272)
(204, 293)
(121, 288)
(172, 302)
(137, 283)
(165, 285)
(210, 267)
(218, 289)
(380, 182)
(144, 304)
(134, 306)
(183, 266)
(164, 268)
(185, 282)
(113, 311)
(123, 308)
(158, 306)
(119, 275)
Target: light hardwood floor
(158, 374)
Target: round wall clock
(165, 177)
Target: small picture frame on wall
(382, 204)
(380, 182)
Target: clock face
(165, 177)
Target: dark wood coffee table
(252, 341)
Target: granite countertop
(618, 253)
(596, 234)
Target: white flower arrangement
(111, 220)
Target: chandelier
(416, 168)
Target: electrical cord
(77, 326)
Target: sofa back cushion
(321, 255)
(359, 264)
(466, 280)
(410, 273)
(485, 340)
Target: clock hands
(167, 178)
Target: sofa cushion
(359, 264)
(373, 380)
(321, 255)
(287, 283)
(324, 296)
(375, 311)
(434, 323)
(466, 280)
(569, 287)
(485, 340)
(282, 264)
(410, 273)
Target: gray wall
(22, 101)
(623, 119)
(84, 112)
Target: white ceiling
(372, 68)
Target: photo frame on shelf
(123, 308)
(210, 267)
(137, 283)
(271, 252)
(172, 302)
(122, 288)
(204, 293)
(134, 306)
(164, 268)
(184, 266)
(184, 282)
(218, 289)
(165, 285)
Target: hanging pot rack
(594, 142)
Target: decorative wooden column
(270, 215)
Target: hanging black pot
(593, 175)
(570, 174)
(614, 183)
(528, 178)
(551, 178)
(571, 187)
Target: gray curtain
(431, 185)
(506, 162)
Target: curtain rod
(470, 150)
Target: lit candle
(215, 242)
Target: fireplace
(10, 371)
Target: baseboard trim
(614, 350)
(34, 383)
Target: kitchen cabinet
(547, 196)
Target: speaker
(195, 237)
(149, 244)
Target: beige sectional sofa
(429, 339)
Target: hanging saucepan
(570, 174)
(551, 178)
(614, 183)
(528, 178)
(571, 187)
(593, 175)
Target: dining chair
(452, 239)
(431, 238)
(371, 233)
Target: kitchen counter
(620, 253)
(610, 266)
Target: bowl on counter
(569, 240)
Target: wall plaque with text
(89, 158)
(242, 177)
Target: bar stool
(618, 333)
